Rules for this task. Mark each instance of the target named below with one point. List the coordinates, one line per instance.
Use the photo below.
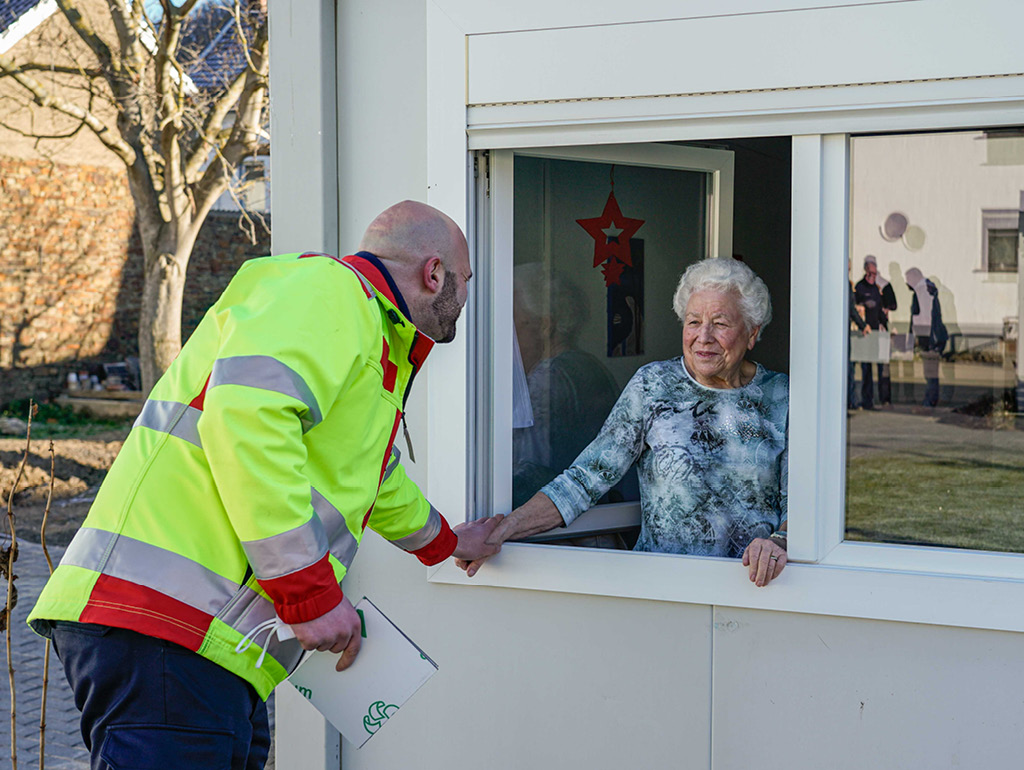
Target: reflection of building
(602, 659)
(948, 204)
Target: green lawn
(942, 501)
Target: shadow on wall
(71, 273)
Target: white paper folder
(387, 671)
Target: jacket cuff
(306, 594)
(440, 548)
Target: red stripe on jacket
(440, 548)
(384, 464)
(390, 370)
(305, 594)
(197, 402)
(370, 272)
(124, 604)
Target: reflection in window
(935, 451)
(582, 334)
(1000, 242)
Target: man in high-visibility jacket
(237, 502)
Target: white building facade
(862, 654)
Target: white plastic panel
(797, 691)
(874, 43)
(479, 18)
(530, 680)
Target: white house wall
(541, 679)
(847, 44)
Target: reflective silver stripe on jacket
(343, 543)
(396, 458)
(424, 536)
(180, 420)
(137, 562)
(287, 552)
(180, 578)
(246, 610)
(267, 373)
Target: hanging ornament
(611, 233)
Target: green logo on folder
(378, 715)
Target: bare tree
(133, 84)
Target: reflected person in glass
(707, 432)
(569, 391)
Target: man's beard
(446, 308)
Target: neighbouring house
(796, 135)
(70, 259)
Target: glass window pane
(1002, 251)
(935, 450)
(582, 329)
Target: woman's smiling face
(716, 338)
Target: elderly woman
(707, 432)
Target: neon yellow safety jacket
(260, 457)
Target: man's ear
(433, 275)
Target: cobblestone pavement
(64, 747)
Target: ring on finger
(772, 558)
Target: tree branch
(42, 97)
(244, 139)
(213, 125)
(92, 74)
(85, 31)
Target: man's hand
(339, 630)
(474, 539)
(538, 514)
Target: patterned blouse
(712, 463)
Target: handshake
(478, 541)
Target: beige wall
(54, 42)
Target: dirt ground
(79, 466)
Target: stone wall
(71, 272)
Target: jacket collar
(373, 270)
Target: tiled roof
(12, 10)
(210, 51)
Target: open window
(581, 253)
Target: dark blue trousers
(148, 704)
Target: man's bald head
(428, 257)
(410, 231)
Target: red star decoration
(611, 233)
(613, 272)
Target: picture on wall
(625, 306)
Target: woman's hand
(538, 514)
(765, 559)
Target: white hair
(726, 274)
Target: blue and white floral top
(712, 463)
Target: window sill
(819, 589)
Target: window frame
(997, 219)
(493, 391)
(826, 575)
